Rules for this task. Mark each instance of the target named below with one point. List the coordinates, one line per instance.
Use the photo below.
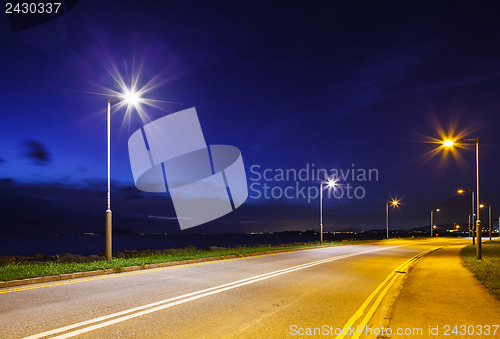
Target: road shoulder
(439, 294)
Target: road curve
(279, 295)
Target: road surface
(274, 296)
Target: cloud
(37, 152)
(159, 217)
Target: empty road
(275, 296)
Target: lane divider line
(149, 270)
(166, 303)
(124, 274)
(388, 282)
(377, 302)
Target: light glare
(332, 183)
(131, 97)
(447, 143)
(131, 92)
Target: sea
(94, 244)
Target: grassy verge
(23, 271)
(486, 270)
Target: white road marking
(166, 303)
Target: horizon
(360, 91)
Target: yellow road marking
(391, 278)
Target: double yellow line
(388, 282)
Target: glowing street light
(489, 219)
(432, 219)
(450, 143)
(394, 203)
(132, 99)
(331, 183)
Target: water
(93, 244)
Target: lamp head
(332, 183)
(448, 143)
(437, 209)
(131, 97)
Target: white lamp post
(132, 99)
(393, 202)
(489, 216)
(432, 219)
(332, 183)
(450, 143)
(471, 217)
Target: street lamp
(432, 219)
(133, 99)
(450, 143)
(489, 216)
(393, 202)
(461, 191)
(331, 183)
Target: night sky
(346, 85)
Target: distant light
(437, 209)
(332, 183)
(481, 206)
(395, 202)
(460, 191)
(448, 143)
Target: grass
(24, 271)
(487, 270)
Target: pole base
(108, 235)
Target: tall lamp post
(432, 219)
(489, 216)
(132, 99)
(393, 202)
(461, 191)
(332, 183)
(450, 143)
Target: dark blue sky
(290, 84)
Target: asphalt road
(272, 296)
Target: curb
(51, 278)
(383, 315)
